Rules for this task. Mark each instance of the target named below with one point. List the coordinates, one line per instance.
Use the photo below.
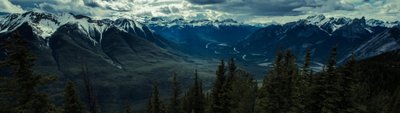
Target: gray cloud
(116, 5)
(322, 6)
(280, 7)
(62, 6)
(7, 6)
(72, 6)
(169, 10)
(210, 9)
(203, 2)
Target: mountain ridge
(319, 34)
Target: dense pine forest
(366, 86)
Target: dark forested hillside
(381, 74)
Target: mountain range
(258, 44)
(364, 38)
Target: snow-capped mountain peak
(129, 25)
(380, 23)
(326, 24)
(160, 21)
(331, 24)
(316, 19)
(45, 24)
(322, 20)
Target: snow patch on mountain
(373, 22)
(334, 23)
(160, 21)
(44, 24)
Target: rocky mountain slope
(364, 37)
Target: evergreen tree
(305, 83)
(208, 102)
(270, 99)
(72, 102)
(243, 93)
(332, 86)
(194, 100)
(347, 85)
(290, 83)
(186, 103)
(231, 75)
(199, 98)
(219, 95)
(331, 66)
(156, 105)
(232, 68)
(23, 97)
(301, 86)
(175, 106)
(315, 95)
(306, 71)
(228, 87)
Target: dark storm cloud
(279, 7)
(203, 2)
(92, 4)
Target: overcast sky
(259, 11)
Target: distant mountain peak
(162, 21)
(316, 18)
(322, 19)
(331, 24)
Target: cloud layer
(7, 6)
(244, 10)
